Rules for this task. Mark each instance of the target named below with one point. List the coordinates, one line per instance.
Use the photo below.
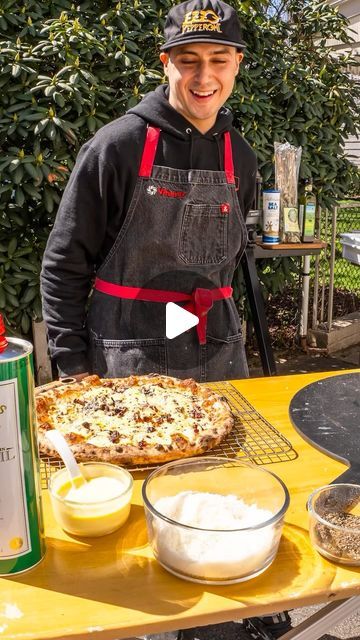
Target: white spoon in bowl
(58, 441)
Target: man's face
(201, 78)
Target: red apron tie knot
(201, 302)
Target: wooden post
(43, 373)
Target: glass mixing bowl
(214, 539)
(334, 525)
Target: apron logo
(171, 194)
(161, 191)
(151, 190)
(202, 20)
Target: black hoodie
(98, 196)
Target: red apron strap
(149, 152)
(228, 159)
(198, 302)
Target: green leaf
(25, 323)
(12, 247)
(15, 70)
(18, 175)
(48, 200)
(19, 197)
(29, 295)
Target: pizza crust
(202, 420)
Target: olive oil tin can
(22, 542)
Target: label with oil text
(14, 520)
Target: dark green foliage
(67, 69)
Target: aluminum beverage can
(22, 541)
(271, 216)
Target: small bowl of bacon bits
(334, 512)
(214, 520)
(95, 508)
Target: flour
(222, 553)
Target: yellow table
(112, 587)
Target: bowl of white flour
(214, 520)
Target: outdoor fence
(336, 280)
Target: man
(155, 209)
(154, 212)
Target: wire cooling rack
(252, 438)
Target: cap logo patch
(201, 20)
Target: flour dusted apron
(180, 242)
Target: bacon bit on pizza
(74, 438)
(120, 411)
(79, 401)
(169, 418)
(108, 383)
(189, 383)
(142, 444)
(147, 392)
(87, 425)
(180, 441)
(196, 413)
(114, 436)
(160, 447)
(46, 426)
(151, 429)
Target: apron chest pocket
(204, 234)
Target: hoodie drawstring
(220, 154)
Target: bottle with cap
(307, 211)
(21, 525)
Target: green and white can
(22, 541)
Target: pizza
(135, 420)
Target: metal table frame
(254, 251)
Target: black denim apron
(183, 232)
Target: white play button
(178, 320)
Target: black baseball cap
(202, 21)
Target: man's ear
(164, 58)
(239, 59)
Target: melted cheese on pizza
(142, 416)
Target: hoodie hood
(156, 110)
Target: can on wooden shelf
(22, 542)
(271, 216)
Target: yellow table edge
(112, 587)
